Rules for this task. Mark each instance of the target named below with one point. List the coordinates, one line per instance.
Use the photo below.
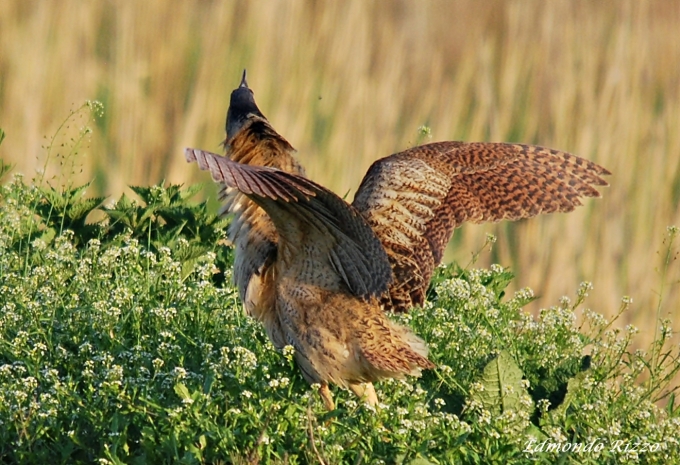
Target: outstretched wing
(323, 230)
(414, 199)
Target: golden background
(349, 82)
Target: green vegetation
(122, 340)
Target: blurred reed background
(349, 82)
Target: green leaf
(208, 383)
(399, 460)
(47, 235)
(191, 191)
(144, 193)
(502, 380)
(4, 168)
(535, 432)
(670, 406)
(420, 461)
(2, 135)
(498, 282)
(123, 204)
(182, 391)
(68, 209)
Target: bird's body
(320, 273)
(251, 231)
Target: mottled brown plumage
(319, 272)
(414, 199)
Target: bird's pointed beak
(244, 83)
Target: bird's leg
(327, 397)
(366, 392)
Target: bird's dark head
(241, 107)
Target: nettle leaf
(83, 208)
(191, 191)
(145, 193)
(122, 217)
(146, 214)
(164, 217)
(79, 191)
(68, 209)
(503, 388)
(123, 204)
(173, 194)
(165, 196)
(179, 217)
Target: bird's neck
(260, 145)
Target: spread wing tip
(201, 157)
(189, 155)
(600, 171)
(604, 171)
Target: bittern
(320, 273)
